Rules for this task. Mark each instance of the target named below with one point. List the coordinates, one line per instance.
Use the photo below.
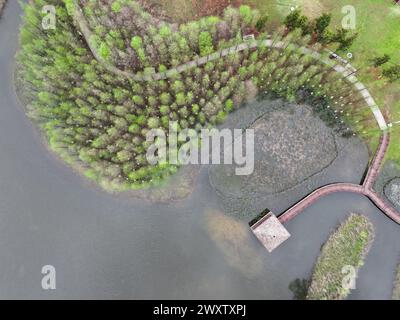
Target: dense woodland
(97, 121)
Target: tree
(165, 98)
(260, 25)
(321, 24)
(136, 43)
(344, 39)
(116, 7)
(295, 20)
(180, 99)
(123, 156)
(229, 105)
(153, 123)
(205, 43)
(104, 51)
(134, 128)
(379, 61)
(246, 14)
(392, 73)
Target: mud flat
(295, 152)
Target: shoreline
(170, 191)
(2, 6)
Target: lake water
(104, 246)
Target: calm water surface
(104, 246)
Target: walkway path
(364, 189)
(373, 170)
(347, 71)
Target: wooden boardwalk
(365, 189)
(348, 71)
(373, 170)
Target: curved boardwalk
(347, 71)
(365, 189)
(313, 197)
(373, 170)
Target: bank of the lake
(107, 246)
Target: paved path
(347, 71)
(364, 189)
(84, 29)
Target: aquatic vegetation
(396, 286)
(340, 259)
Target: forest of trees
(134, 40)
(97, 121)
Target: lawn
(377, 23)
(114, 152)
(379, 33)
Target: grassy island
(347, 246)
(90, 86)
(396, 286)
(2, 4)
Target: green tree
(321, 24)
(180, 99)
(344, 39)
(153, 123)
(392, 73)
(205, 43)
(260, 25)
(104, 51)
(116, 7)
(229, 105)
(295, 20)
(379, 61)
(246, 13)
(136, 43)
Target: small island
(343, 253)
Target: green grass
(379, 33)
(347, 246)
(105, 130)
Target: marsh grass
(396, 286)
(347, 246)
